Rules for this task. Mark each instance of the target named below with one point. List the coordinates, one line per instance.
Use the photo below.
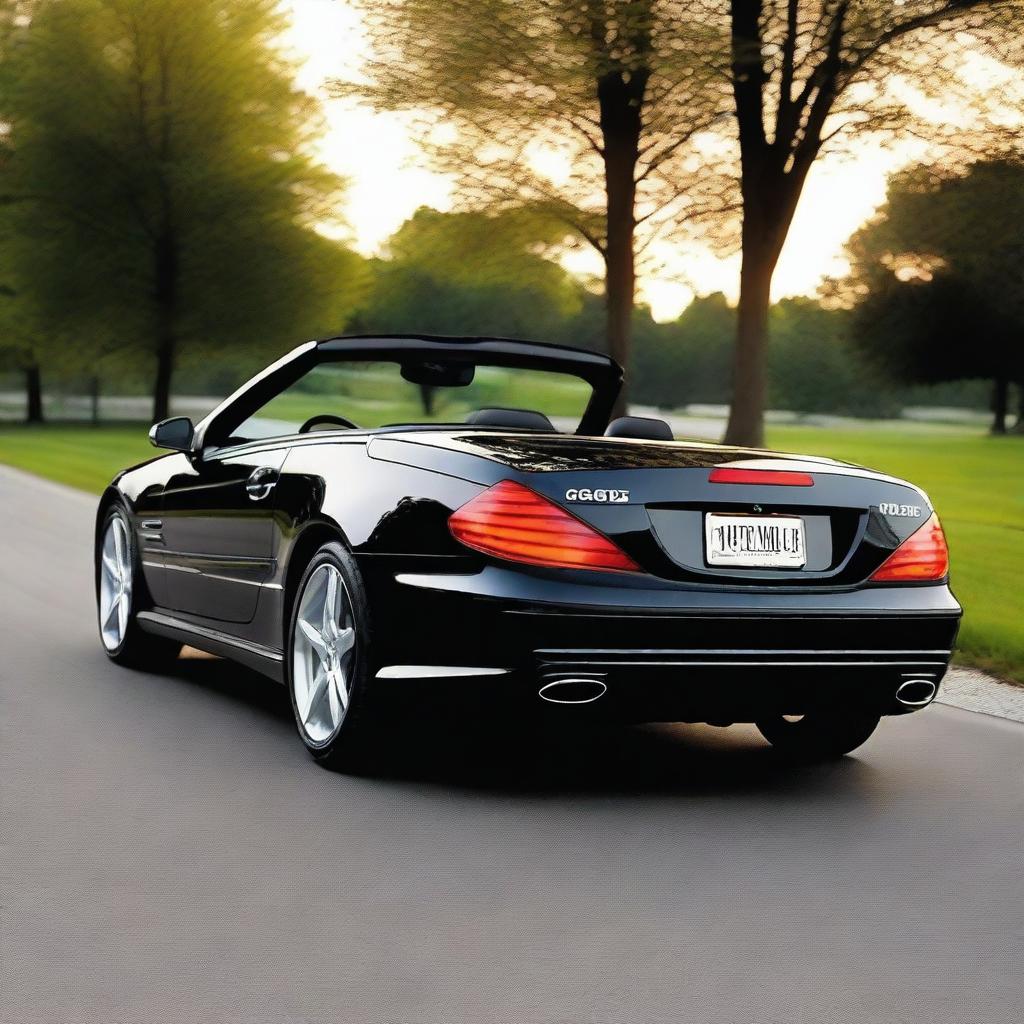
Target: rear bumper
(745, 685)
(495, 637)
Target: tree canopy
(470, 273)
(939, 278)
(806, 76)
(578, 111)
(165, 192)
(603, 114)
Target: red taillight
(922, 556)
(510, 521)
(775, 477)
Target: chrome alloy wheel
(115, 584)
(323, 653)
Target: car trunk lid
(662, 502)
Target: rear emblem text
(888, 509)
(586, 494)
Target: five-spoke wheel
(323, 649)
(327, 652)
(120, 593)
(115, 589)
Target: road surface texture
(168, 852)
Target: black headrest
(645, 427)
(517, 419)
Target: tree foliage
(20, 350)
(812, 365)
(581, 111)
(809, 75)
(939, 275)
(518, 82)
(164, 184)
(687, 360)
(470, 273)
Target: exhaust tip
(916, 693)
(572, 691)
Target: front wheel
(118, 591)
(819, 735)
(328, 654)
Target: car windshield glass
(375, 394)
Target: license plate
(756, 542)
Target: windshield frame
(603, 374)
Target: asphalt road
(169, 853)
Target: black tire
(137, 649)
(350, 746)
(819, 735)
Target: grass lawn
(79, 454)
(976, 483)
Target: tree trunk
(164, 373)
(33, 394)
(620, 270)
(774, 164)
(165, 294)
(1018, 427)
(750, 355)
(1000, 402)
(621, 100)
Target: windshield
(375, 394)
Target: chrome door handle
(261, 482)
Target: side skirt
(262, 659)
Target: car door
(218, 531)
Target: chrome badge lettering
(888, 509)
(600, 494)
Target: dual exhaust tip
(573, 691)
(916, 693)
(911, 693)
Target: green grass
(79, 455)
(976, 483)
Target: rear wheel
(328, 651)
(119, 589)
(819, 735)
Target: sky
(379, 155)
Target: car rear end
(692, 583)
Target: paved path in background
(972, 690)
(168, 852)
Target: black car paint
(679, 640)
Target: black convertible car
(383, 523)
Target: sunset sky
(379, 155)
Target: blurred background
(797, 225)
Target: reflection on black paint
(414, 526)
(545, 454)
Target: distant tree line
(467, 273)
(164, 216)
(470, 273)
(680, 117)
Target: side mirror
(175, 433)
